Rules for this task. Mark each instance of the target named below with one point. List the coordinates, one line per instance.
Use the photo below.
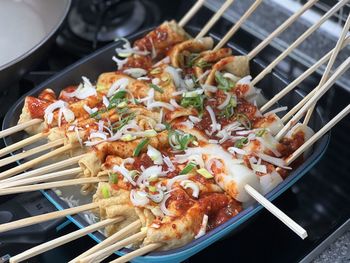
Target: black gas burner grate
(92, 23)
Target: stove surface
(320, 201)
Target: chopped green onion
(196, 101)
(156, 88)
(152, 188)
(113, 178)
(122, 104)
(229, 110)
(150, 133)
(203, 64)
(241, 142)
(205, 173)
(119, 95)
(123, 121)
(191, 59)
(105, 192)
(188, 168)
(127, 138)
(223, 83)
(244, 120)
(261, 133)
(140, 146)
(180, 140)
(155, 71)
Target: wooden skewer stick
(300, 79)
(19, 127)
(238, 24)
(42, 178)
(139, 252)
(318, 135)
(104, 253)
(46, 217)
(123, 233)
(297, 42)
(31, 152)
(280, 29)
(43, 186)
(191, 13)
(330, 64)
(214, 19)
(318, 94)
(63, 240)
(45, 169)
(301, 232)
(23, 143)
(35, 161)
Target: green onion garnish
(195, 101)
(156, 88)
(188, 168)
(140, 146)
(241, 142)
(180, 140)
(223, 83)
(119, 95)
(203, 64)
(190, 60)
(205, 173)
(113, 178)
(244, 120)
(105, 192)
(261, 133)
(229, 110)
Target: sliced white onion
(206, 73)
(279, 109)
(163, 206)
(156, 81)
(176, 77)
(105, 101)
(235, 150)
(158, 104)
(226, 102)
(125, 173)
(273, 160)
(169, 163)
(171, 181)
(120, 62)
(152, 171)
(78, 136)
(120, 84)
(231, 77)
(203, 227)
(100, 125)
(99, 135)
(214, 126)
(174, 103)
(190, 184)
(188, 124)
(155, 155)
(157, 197)
(135, 72)
(84, 90)
(257, 167)
(194, 119)
(138, 198)
(89, 110)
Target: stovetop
(320, 201)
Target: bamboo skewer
(139, 252)
(43, 186)
(327, 71)
(31, 152)
(318, 135)
(44, 170)
(23, 143)
(191, 13)
(123, 233)
(104, 253)
(214, 19)
(62, 240)
(42, 178)
(300, 79)
(45, 217)
(19, 127)
(297, 42)
(318, 94)
(301, 232)
(238, 24)
(35, 161)
(281, 28)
